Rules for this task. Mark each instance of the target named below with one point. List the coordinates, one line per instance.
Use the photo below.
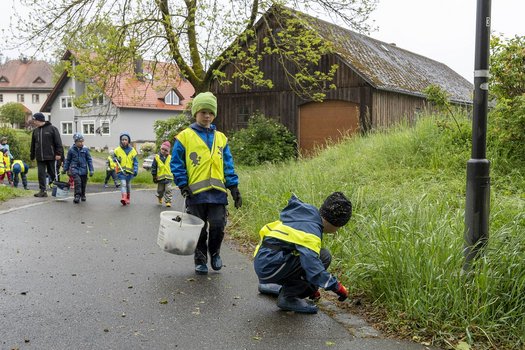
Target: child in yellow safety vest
(111, 170)
(126, 159)
(19, 167)
(161, 172)
(5, 166)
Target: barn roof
(388, 67)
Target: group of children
(121, 167)
(13, 169)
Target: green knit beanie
(204, 100)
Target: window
(172, 98)
(98, 101)
(36, 98)
(67, 128)
(66, 102)
(19, 97)
(88, 127)
(243, 116)
(104, 127)
(1, 97)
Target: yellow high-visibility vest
(112, 164)
(125, 160)
(163, 168)
(2, 164)
(286, 233)
(205, 167)
(21, 163)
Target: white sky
(443, 30)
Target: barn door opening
(320, 122)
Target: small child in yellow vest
(19, 167)
(5, 166)
(126, 159)
(161, 172)
(111, 170)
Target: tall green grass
(403, 246)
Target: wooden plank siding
(390, 108)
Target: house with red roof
(131, 103)
(28, 82)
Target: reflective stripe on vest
(205, 167)
(22, 167)
(288, 234)
(126, 160)
(163, 168)
(112, 164)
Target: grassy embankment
(402, 249)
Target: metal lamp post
(478, 179)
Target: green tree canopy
(13, 112)
(507, 66)
(201, 37)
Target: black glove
(186, 191)
(236, 195)
(155, 180)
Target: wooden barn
(377, 85)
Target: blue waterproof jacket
(180, 174)
(304, 217)
(78, 161)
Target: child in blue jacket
(290, 260)
(78, 164)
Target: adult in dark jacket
(46, 148)
(290, 252)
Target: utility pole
(478, 179)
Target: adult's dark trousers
(80, 184)
(45, 166)
(212, 234)
(292, 276)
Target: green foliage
(440, 99)
(264, 140)
(507, 128)
(147, 148)
(402, 250)
(13, 112)
(19, 143)
(507, 60)
(166, 130)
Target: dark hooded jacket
(46, 143)
(304, 217)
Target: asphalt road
(90, 276)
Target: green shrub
(264, 140)
(147, 148)
(506, 126)
(166, 130)
(19, 143)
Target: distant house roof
(24, 74)
(388, 67)
(142, 91)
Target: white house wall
(137, 122)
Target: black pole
(478, 179)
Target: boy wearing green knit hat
(203, 169)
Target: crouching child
(290, 261)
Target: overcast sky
(443, 30)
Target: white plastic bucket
(179, 232)
(60, 190)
